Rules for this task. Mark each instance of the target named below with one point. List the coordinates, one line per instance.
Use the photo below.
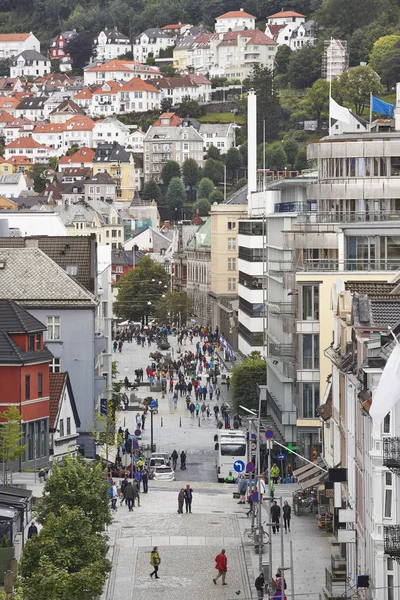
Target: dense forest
(361, 22)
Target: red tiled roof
(57, 381)
(82, 155)
(18, 160)
(84, 94)
(174, 120)
(285, 13)
(114, 87)
(122, 65)
(80, 123)
(137, 84)
(25, 142)
(5, 117)
(174, 26)
(14, 37)
(236, 14)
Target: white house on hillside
(234, 19)
(11, 186)
(221, 136)
(64, 418)
(111, 43)
(30, 63)
(280, 26)
(150, 42)
(108, 129)
(12, 44)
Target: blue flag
(381, 107)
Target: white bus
(231, 445)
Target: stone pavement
(189, 543)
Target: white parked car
(163, 473)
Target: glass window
(310, 302)
(53, 328)
(27, 387)
(388, 504)
(231, 224)
(233, 449)
(310, 400)
(386, 424)
(72, 270)
(231, 264)
(68, 425)
(310, 351)
(390, 578)
(231, 284)
(31, 434)
(231, 243)
(31, 342)
(54, 366)
(61, 427)
(40, 385)
(43, 436)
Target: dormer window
(31, 342)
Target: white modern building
(234, 19)
(12, 44)
(30, 63)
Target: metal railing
(391, 534)
(280, 266)
(334, 216)
(282, 308)
(391, 453)
(334, 264)
(282, 351)
(296, 207)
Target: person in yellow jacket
(275, 472)
(155, 562)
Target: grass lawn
(222, 118)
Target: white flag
(388, 392)
(340, 113)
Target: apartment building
(110, 44)
(234, 19)
(12, 44)
(150, 43)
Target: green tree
(301, 162)
(317, 99)
(346, 17)
(145, 283)
(10, 437)
(80, 49)
(66, 560)
(176, 197)
(174, 308)
(388, 67)
(282, 59)
(239, 184)
(214, 152)
(170, 170)
(203, 207)
(358, 84)
(205, 188)
(268, 107)
(190, 174)
(168, 70)
(304, 66)
(5, 64)
(291, 148)
(216, 196)
(275, 157)
(166, 104)
(40, 176)
(53, 163)
(233, 163)
(190, 108)
(245, 380)
(381, 47)
(72, 149)
(151, 191)
(104, 431)
(76, 484)
(214, 170)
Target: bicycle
(250, 533)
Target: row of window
(28, 386)
(35, 438)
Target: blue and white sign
(239, 466)
(281, 457)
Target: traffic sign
(255, 497)
(239, 466)
(253, 446)
(250, 467)
(269, 434)
(135, 445)
(281, 457)
(126, 460)
(138, 432)
(253, 436)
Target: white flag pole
(370, 110)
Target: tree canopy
(170, 169)
(151, 191)
(80, 49)
(174, 308)
(304, 66)
(147, 282)
(205, 188)
(176, 197)
(245, 380)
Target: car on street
(163, 473)
(163, 455)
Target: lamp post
(151, 429)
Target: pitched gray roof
(31, 278)
(30, 56)
(239, 197)
(172, 133)
(155, 32)
(111, 152)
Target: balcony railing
(295, 207)
(282, 308)
(391, 454)
(346, 217)
(282, 351)
(280, 266)
(391, 535)
(334, 264)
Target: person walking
(197, 407)
(138, 477)
(287, 515)
(216, 411)
(203, 410)
(188, 498)
(174, 457)
(32, 531)
(124, 483)
(145, 480)
(275, 516)
(228, 383)
(181, 500)
(143, 421)
(129, 495)
(275, 472)
(136, 495)
(155, 562)
(242, 489)
(113, 496)
(221, 564)
(260, 585)
(192, 408)
(183, 460)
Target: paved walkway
(189, 543)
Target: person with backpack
(260, 585)
(174, 457)
(155, 562)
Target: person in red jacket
(221, 564)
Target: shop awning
(310, 483)
(309, 473)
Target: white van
(231, 445)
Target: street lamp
(151, 430)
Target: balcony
(282, 309)
(334, 264)
(279, 267)
(295, 207)
(391, 454)
(333, 216)
(282, 351)
(391, 534)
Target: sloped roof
(172, 133)
(32, 102)
(238, 197)
(70, 105)
(154, 32)
(236, 14)
(122, 65)
(285, 13)
(30, 55)
(202, 237)
(84, 154)
(31, 278)
(57, 382)
(5, 117)
(111, 152)
(26, 142)
(80, 123)
(381, 290)
(14, 37)
(137, 84)
(174, 120)
(174, 26)
(108, 87)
